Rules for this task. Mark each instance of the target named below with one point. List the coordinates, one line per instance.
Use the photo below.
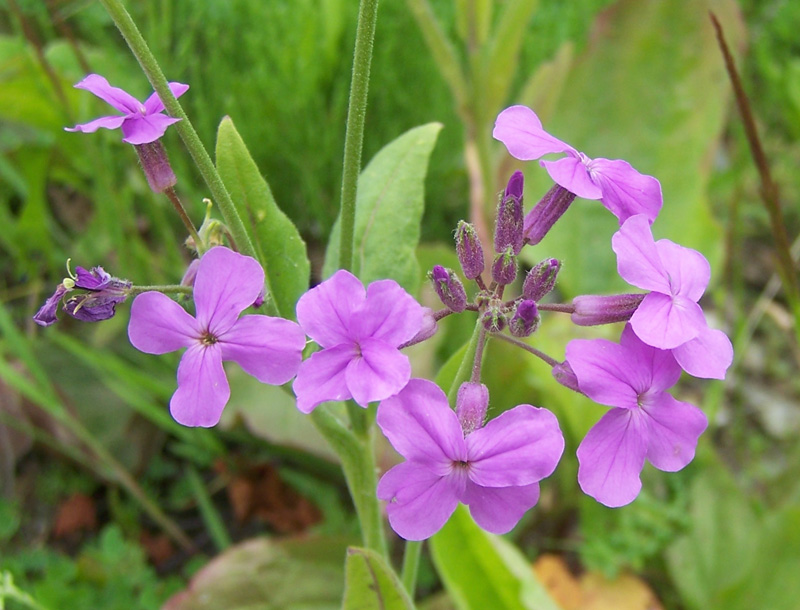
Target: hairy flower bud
(541, 279)
(564, 375)
(469, 250)
(508, 224)
(592, 310)
(494, 318)
(449, 288)
(472, 402)
(545, 213)
(525, 320)
(504, 268)
(156, 167)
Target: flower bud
(472, 403)
(156, 167)
(564, 375)
(449, 288)
(592, 310)
(494, 319)
(469, 250)
(508, 224)
(541, 279)
(545, 213)
(504, 268)
(525, 320)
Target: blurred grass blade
(281, 250)
(371, 583)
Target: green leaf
(480, 570)
(371, 584)
(281, 250)
(391, 199)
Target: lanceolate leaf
(370, 584)
(281, 250)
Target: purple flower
(646, 422)
(269, 349)
(141, 123)
(494, 470)
(669, 317)
(360, 332)
(620, 188)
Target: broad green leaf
(281, 250)
(650, 88)
(391, 199)
(480, 570)
(371, 584)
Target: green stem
(211, 517)
(411, 566)
(358, 463)
(354, 134)
(160, 288)
(205, 165)
(187, 222)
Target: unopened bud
(541, 279)
(508, 225)
(494, 319)
(469, 250)
(564, 375)
(449, 288)
(545, 213)
(504, 268)
(156, 167)
(472, 402)
(525, 320)
(592, 310)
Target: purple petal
(656, 369)
(422, 427)
(324, 311)
(687, 269)
(638, 261)
(227, 283)
(159, 325)
(153, 105)
(521, 131)
(114, 96)
(106, 122)
(611, 458)
(203, 389)
(626, 192)
(46, 315)
(419, 502)
(674, 428)
(499, 509)
(708, 355)
(141, 129)
(322, 377)
(519, 447)
(269, 349)
(389, 313)
(604, 371)
(96, 279)
(666, 322)
(570, 172)
(379, 373)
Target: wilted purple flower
(669, 317)
(141, 123)
(99, 303)
(269, 349)
(621, 189)
(495, 470)
(645, 423)
(360, 332)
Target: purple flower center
(208, 338)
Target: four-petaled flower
(669, 317)
(495, 469)
(619, 187)
(360, 332)
(141, 123)
(227, 283)
(645, 423)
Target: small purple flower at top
(360, 332)
(141, 123)
(645, 423)
(494, 469)
(620, 188)
(669, 317)
(227, 283)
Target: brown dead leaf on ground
(78, 513)
(159, 547)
